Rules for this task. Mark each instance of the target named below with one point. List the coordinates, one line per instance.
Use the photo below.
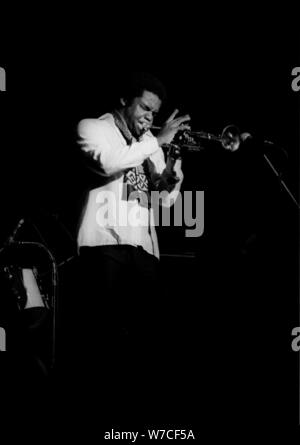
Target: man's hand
(166, 181)
(170, 128)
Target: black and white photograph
(149, 232)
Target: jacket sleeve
(157, 165)
(106, 145)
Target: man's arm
(103, 143)
(166, 178)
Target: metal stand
(11, 253)
(281, 181)
(53, 297)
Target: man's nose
(149, 116)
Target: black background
(233, 66)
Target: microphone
(246, 136)
(249, 138)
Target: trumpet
(230, 138)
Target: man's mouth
(144, 126)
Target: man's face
(139, 114)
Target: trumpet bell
(231, 138)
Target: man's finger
(172, 116)
(182, 119)
(184, 127)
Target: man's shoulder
(102, 123)
(106, 119)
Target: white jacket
(107, 219)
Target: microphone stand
(278, 174)
(53, 304)
(11, 241)
(281, 181)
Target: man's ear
(123, 102)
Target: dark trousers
(120, 313)
(120, 284)
(121, 296)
